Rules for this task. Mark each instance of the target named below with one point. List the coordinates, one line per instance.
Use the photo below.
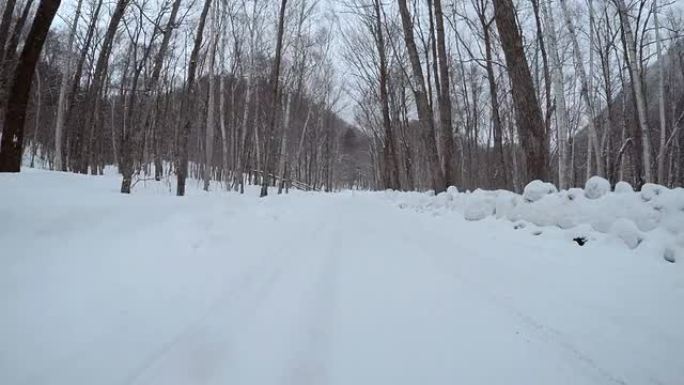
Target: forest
(334, 94)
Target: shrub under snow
(653, 217)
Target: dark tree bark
(188, 106)
(391, 171)
(5, 26)
(447, 138)
(8, 53)
(275, 94)
(545, 66)
(497, 126)
(13, 134)
(531, 127)
(424, 112)
(87, 139)
(131, 139)
(73, 131)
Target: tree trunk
(391, 170)
(131, 138)
(211, 103)
(63, 89)
(72, 127)
(188, 106)
(562, 121)
(425, 119)
(528, 113)
(222, 103)
(447, 137)
(5, 23)
(661, 97)
(96, 84)
(631, 54)
(584, 89)
(15, 116)
(275, 95)
(284, 161)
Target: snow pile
(596, 187)
(652, 218)
(537, 189)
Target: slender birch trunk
(661, 97)
(211, 103)
(562, 120)
(584, 89)
(424, 113)
(638, 91)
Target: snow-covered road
(99, 288)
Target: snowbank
(652, 219)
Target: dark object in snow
(580, 240)
(669, 255)
(519, 225)
(537, 232)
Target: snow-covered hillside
(349, 288)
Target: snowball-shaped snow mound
(596, 187)
(537, 189)
(651, 190)
(478, 207)
(623, 188)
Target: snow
(596, 187)
(480, 207)
(627, 231)
(97, 287)
(623, 187)
(651, 190)
(654, 215)
(537, 189)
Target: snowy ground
(310, 288)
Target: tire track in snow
(205, 349)
(544, 333)
(310, 365)
(240, 300)
(247, 290)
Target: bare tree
(447, 136)
(562, 121)
(632, 63)
(12, 142)
(63, 90)
(661, 96)
(188, 105)
(211, 103)
(424, 112)
(528, 113)
(584, 88)
(275, 95)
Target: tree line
(496, 93)
(471, 93)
